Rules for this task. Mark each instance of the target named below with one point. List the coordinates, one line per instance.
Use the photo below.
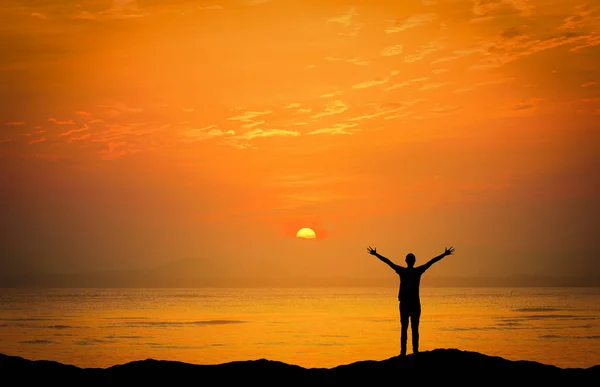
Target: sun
(306, 233)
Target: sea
(310, 327)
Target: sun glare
(306, 233)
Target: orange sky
(205, 134)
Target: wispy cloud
(510, 45)
(340, 128)
(422, 52)
(205, 133)
(392, 50)
(486, 10)
(432, 85)
(347, 20)
(249, 115)
(479, 85)
(581, 16)
(364, 85)
(252, 124)
(38, 140)
(355, 61)
(526, 105)
(210, 7)
(58, 122)
(445, 109)
(335, 107)
(80, 138)
(119, 9)
(457, 54)
(267, 133)
(413, 21)
(406, 83)
(69, 132)
(379, 111)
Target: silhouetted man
(408, 295)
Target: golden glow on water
(308, 327)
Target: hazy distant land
(444, 365)
(137, 279)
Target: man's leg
(414, 327)
(403, 330)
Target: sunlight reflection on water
(309, 327)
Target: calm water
(308, 327)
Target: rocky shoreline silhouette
(439, 365)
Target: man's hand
(449, 251)
(372, 250)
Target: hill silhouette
(439, 365)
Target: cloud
(335, 107)
(36, 141)
(394, 116)
(485, 10)
(578, 19)
(364, 85)
(335, 129)
(442, 109)
(406, 83)
(346, 18)
(14, 123)
(117, 109)
(58, 122)
(457, 54)
(85, 127)
(267, 133)
(80, 138)
(210, 7)
(513, 43)
(249, 115)
(205, 133)
(292, 105)
(479, 85)
(114, 150)
(430, 86)
(422, 52)
(356, 61)
(410, 22)
(256, 2)
(119, 9)
(39, 15)
(526, 105)
(392, 50)
(378, 112)
(588, 84)
(252, 124)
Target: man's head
(410, 259)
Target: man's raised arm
(373, 251)
(448, 251)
